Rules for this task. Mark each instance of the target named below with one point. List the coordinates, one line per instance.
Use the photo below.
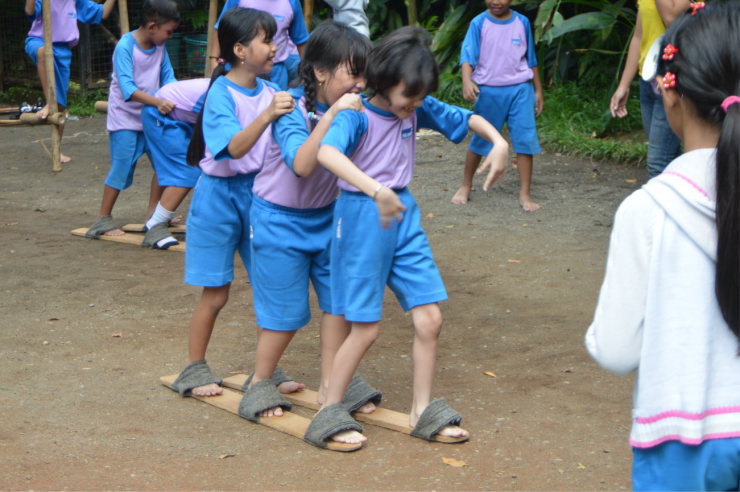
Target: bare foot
(462, 195)
(527, 204)
(272, 412)
(448, 431)
(176, 220)
(114, 232)
(348, 437)
(64, 158)
(368, 407)
(290, 387)
(208, 390)
(43, 113)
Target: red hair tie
(221, 61)
(669, 51)
(696, 6)
(729, 102)
(669, 80)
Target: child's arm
(31, 8)
(499, 153)
(297, 31)
(216, 47)
(670, 9)
(108, 8)
(618, 104)
(469, 55)
(470, 89)
(539, 100)
(163, 105)
(306, 159)
(242, 142)
(123, 64)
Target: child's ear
(320, 75)
(239, 51)
(151, 26)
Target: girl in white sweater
(670, 302)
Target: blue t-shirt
(290, 130)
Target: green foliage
(15, 96)
(80, 105)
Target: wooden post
(51, 97)
(123, 14)
(308, 13)
(212, 18)
(83, 52)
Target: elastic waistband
(358, 195)
(236, 177)
(298, 212)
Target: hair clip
(669, 51)
(669, 80)
(730, 101)
(313, 116)
(221, 61)
(696, 6)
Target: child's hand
(348, 101)
(389, 206)
(497, 160)
(282, 103)
(470, 91)
(618, 105)
(165, 106)
(539, 104)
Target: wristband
(380, 187)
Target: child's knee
(368, 332)
(428, 322)
(216, 298)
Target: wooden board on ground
(290, 423)
(140, 228)
(381, 417)
(135, 239)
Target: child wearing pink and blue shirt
(65, 14)
(499, 72)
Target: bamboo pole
(123, 14)
(212, 17)
(308, 13)
(101, 106)
(51, 97)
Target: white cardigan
(658, 310)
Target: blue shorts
(291, 65)
(289, 247)
(126, 146)
(168, 142)
(513, 105)
(218, 227)
(712, 465)
(62, 64)
(365, 258)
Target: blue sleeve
(471, 45)
(89, 12)
(36, 12)
(531, 54)
(123, 64)
(450, 121)
(199, 103)
(298, 32)
(230, 4)
(220, 123)
(166, 73)
(290, 132)
(346, 131)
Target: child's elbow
(323, 155)
(614, 361)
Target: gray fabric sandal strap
(434, 418)
(358, 393)
(278, 377)
(156, 234)
(103, 225)
(262, 396)
(194, 375)
(328, 422)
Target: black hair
(237, 26)
(403, 56)
(707, 70)
(330, 45)
(160, 12)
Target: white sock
(160, 215)
(166, 241)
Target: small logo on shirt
(516, 41)
(406, 133)
(279, 17)
(71, 15)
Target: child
(168, 137)
(381, 144)
(230, 143)
(288, 15)
(669, 305)
(505, 86)
(293, 207)
(65, 14)
(140, 67)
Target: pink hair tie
(730, 101)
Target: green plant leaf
(590, 21)
(557, 19)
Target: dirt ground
(87, 411)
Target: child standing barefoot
(499, 72)
(65, 14)
(140, 67)
(230, 143)
(670, 302)
(378, 239)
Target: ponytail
(237, 26)
(707, 71)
